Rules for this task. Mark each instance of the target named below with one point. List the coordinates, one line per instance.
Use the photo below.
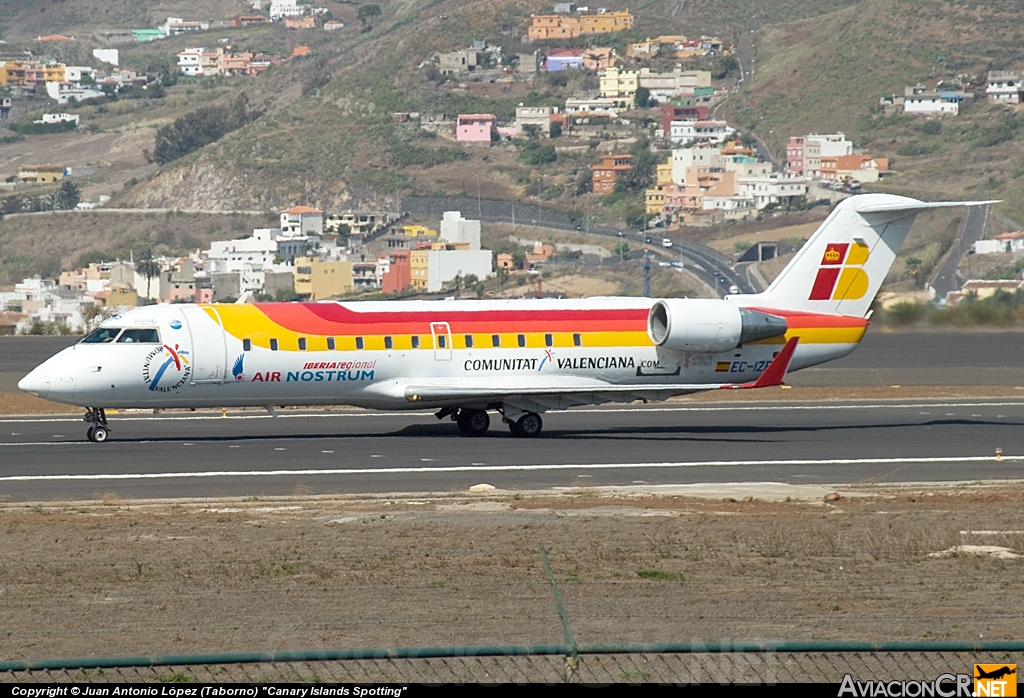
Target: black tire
(97, 434)
(527, 426)
(473, 422)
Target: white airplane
(519, 358)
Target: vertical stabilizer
(840, 269)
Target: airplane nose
(36, 382)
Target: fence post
(571, 661)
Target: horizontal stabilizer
(870, 205)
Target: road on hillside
(710, 266)
(946, 278)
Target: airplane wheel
(473, 422)
(97, 434)
(528, 426)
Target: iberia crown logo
(840, 274)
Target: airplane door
(442, 340)
(209, 351)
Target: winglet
(775, 374)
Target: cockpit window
(139, 336)
(103, 335)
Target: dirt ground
(116, 577)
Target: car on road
(665, 242)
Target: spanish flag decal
(722, 366)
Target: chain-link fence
(694, 663)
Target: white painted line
(506, 468)
(590, 410)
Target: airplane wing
(775, 374)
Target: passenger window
(246, 345)
(549, 340)
(495, 340)
(359, 342)
(330, 343)
(147, 336)
(522, 340)
(415, 342)
(302, 344)
(273, 345)
(389, 343)
(577, 339)
(469, 341)
(104, 335)
(442, 341)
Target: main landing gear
(477, 422)
(97, 418)
(471, 422)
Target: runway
(357, 452)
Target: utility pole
(647, 274)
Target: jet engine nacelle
(709, 325)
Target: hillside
(828, 73)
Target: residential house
(863, 168)
(772, 188)
(358, 222)
(565, 8)
(419, 266)
(681, 132)
(679, 83)
(539, 117)
(398, 274)
(41, 174)
(1005, 86)
(247, 20)
(655, 196)
(458, 230)
(611, 169)
(597, 106)
(604, 22)
(1003, 243)
(333, 25)
(564, 59)
(476, 128)
(364, 275)
(529, 63)
(458, 62)
(673, 112)
(620, 86)
(543, 27)
(830, 144)
(418, 231)
(921, 100)
(302, 220)
(279, 9)
(176, 25)
(317, 279)
(59, 118)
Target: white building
(774, 188)
(829, 144)
(107, 55)
(302, 220)
(190, 62)
(598, 106)
(534, 116)
(691, 131)
(75, 73)
(58, 118)
(919, 100)
(455, 228)
(1004, 86)
(62, 92)
(279, 9)
(445, 265)
(257, 251)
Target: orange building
(605, 22)
(398, 277)
(611, 168)
(552, 27)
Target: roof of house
(302, 209)
(55, 37)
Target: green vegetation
(34, 128)
(660, 575)
(531, 152)
(1002, 309)
(200, 128)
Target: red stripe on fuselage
(331, 319)
(797, 319)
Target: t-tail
(840, 269)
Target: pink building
(795, 155)
(476, 128)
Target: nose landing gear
(97, 418)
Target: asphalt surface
(252, 455)
(947, 278)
